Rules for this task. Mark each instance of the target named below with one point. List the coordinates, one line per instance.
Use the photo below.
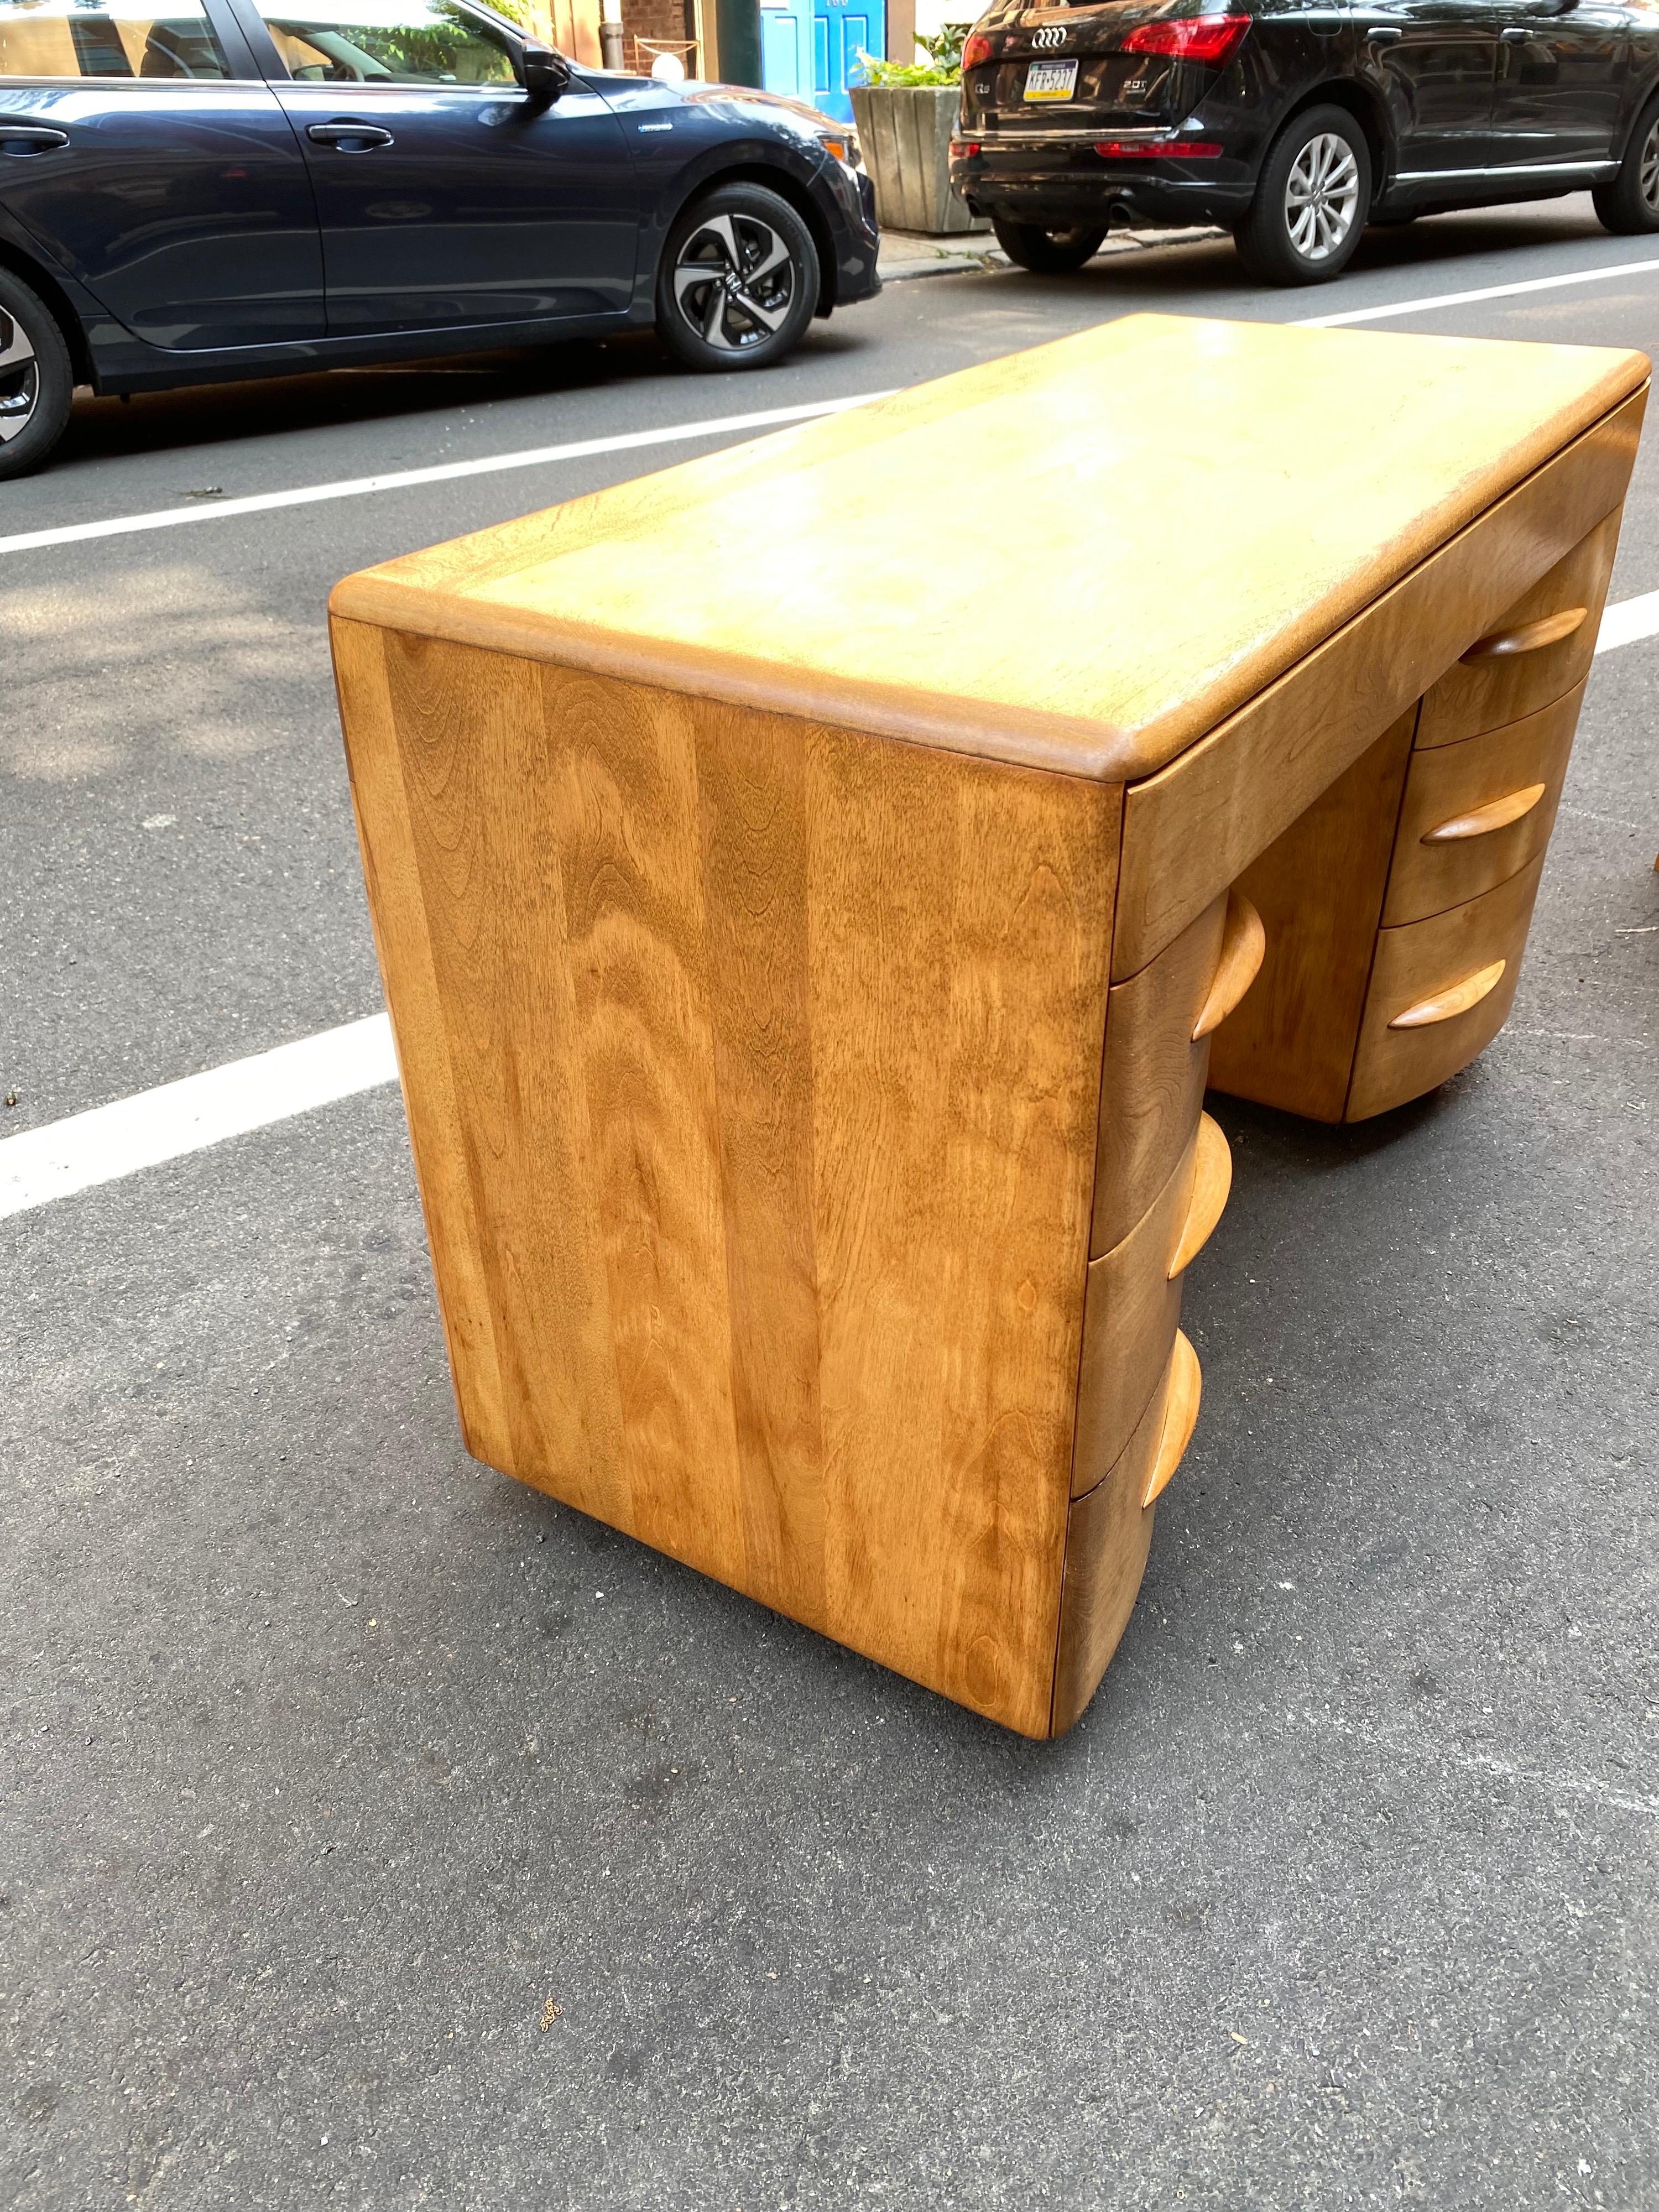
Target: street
(379, 1831)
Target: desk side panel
(1192, 830)
(771, 1078)
(397, 914)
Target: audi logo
(1051, 34)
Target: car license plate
(1050, 79)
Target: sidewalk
(906, 254)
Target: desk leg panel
(767, 1056)
(1319, 889)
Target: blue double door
(810, 49)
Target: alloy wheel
(1322, 197)
(19, 378)
(1647, 177)
(735, 282)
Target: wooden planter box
(905, 131)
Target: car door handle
(1384, 35)
(22, 139)
(1514, 35)
(350, 137)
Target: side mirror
(544, 74)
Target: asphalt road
(377, 1833)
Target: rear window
(62, 39)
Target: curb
(1134, 241)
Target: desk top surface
(1084, 556)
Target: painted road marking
(108, 1142)
(534, 457)
(176, 1118)
(1469, 299)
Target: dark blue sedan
(237, 187)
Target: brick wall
(670, 22)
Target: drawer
(1540, 650)
(1440, 992)
(1108, 1534)
(1132, 1304)
(1475, 813)
(1158, 1026)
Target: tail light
(1208, 39)
(1133, 150)
(976, 50)
(965, 149)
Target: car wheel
(1629, 203)
(738, 281)
(37, 381)
(1048, 252)
(1311, 201)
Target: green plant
(943, 66)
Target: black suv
(1295, 126)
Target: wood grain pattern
(1491, 775)
(1110, 1533)
(1420, 961)
(1152, 1081)
(401, 943)
(762, 1063)
(1320, 889)
(1484, 688)
(1195, 828)
(733, 578)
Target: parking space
(379, 1832)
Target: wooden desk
(810, 883)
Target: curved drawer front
(1475, 813)
(1108, 1534)
(1152, 1077)
(1133, 1305)
(1541, 649)
(1440, 992)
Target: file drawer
(1540, 649)
(1475, 813)
(1132, 1304)
(1109, 1530)
(1158, 1027)
(1440, 991)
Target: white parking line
(534, 457)
(1467, 299)
(176, 1118)
(111, 1141)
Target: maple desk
(808, 881)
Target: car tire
(1628, 205)
(1048, 252)
(738, 280)
(36, 378)
(1311, 201)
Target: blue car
(239, 187)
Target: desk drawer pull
(1243, 945)
(1531, 637)
(1456, 1000)
(1213, 1178)
(1180, 1416)
(1481, 821)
